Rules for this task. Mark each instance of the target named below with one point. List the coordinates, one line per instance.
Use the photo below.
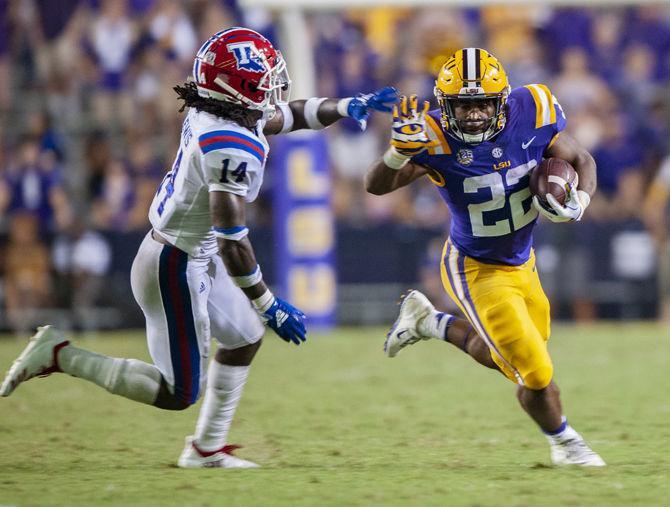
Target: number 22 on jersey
(496, 184)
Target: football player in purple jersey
(479, 148)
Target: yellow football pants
(509, 310)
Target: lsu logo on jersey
(502, 165)
(246, 56)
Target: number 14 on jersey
(238, 174)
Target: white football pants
(186, 301)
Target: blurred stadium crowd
(89, 123)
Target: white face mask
(276, 84)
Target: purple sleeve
(561, 120)
(421, 158)
(526, 103)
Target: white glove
(408, 135)
(571, 211)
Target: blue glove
(381, 100)
(285, 320)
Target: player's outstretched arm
(568, 149)
(318, 113)
(382, 179)
(228, 219)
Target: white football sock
(435, 325)
(129, 378)
(225, 384)
(564, 433)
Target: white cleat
(414, 307)
(575, 451)
(38, 359)
(192, 457)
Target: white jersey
(214, 155)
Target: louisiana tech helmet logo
(247, 56)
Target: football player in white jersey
(195, 275)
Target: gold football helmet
(472, 74)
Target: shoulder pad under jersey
(229, 140)
(537, 101)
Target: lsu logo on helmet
(472, 74)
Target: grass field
(334, 423)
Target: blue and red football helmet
(241, 66)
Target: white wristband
(394, 159)
(246, 281)
(262, 303)
(237, 233)
(343, 106)
(584, 198)
(287, 114)
(310, 113)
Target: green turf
(336, 423)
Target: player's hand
(381, 100)
(571, 211)
(409, 135)
(285, 320)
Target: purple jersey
(486, 185)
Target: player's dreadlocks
(227, 110)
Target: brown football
(554, 176)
